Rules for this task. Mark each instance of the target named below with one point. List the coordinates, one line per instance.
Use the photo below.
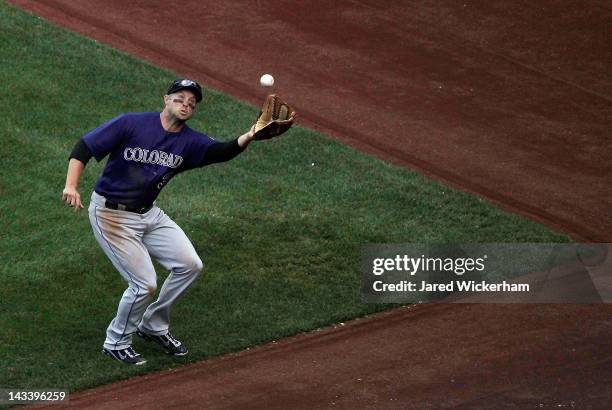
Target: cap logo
(187, 83)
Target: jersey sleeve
(197, 150)
(107, 136)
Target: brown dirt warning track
(507, 100)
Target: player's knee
(143, 290)
(197, 265)
(190, 265)
(151, 289)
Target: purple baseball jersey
(143, 156)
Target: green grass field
(280, 237)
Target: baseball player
(146, 150)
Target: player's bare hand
(72, 197)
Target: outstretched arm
(224, 151)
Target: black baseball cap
(186, 84)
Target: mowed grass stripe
(279, 228)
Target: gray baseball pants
(130, 240)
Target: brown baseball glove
(275, 118)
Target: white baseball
(266, 80)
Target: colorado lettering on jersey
(152, 157)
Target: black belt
(122, 207)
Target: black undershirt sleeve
(221, 152)
(81, 152)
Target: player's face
(181, 104)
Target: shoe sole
(150, 339)
(121, 361)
